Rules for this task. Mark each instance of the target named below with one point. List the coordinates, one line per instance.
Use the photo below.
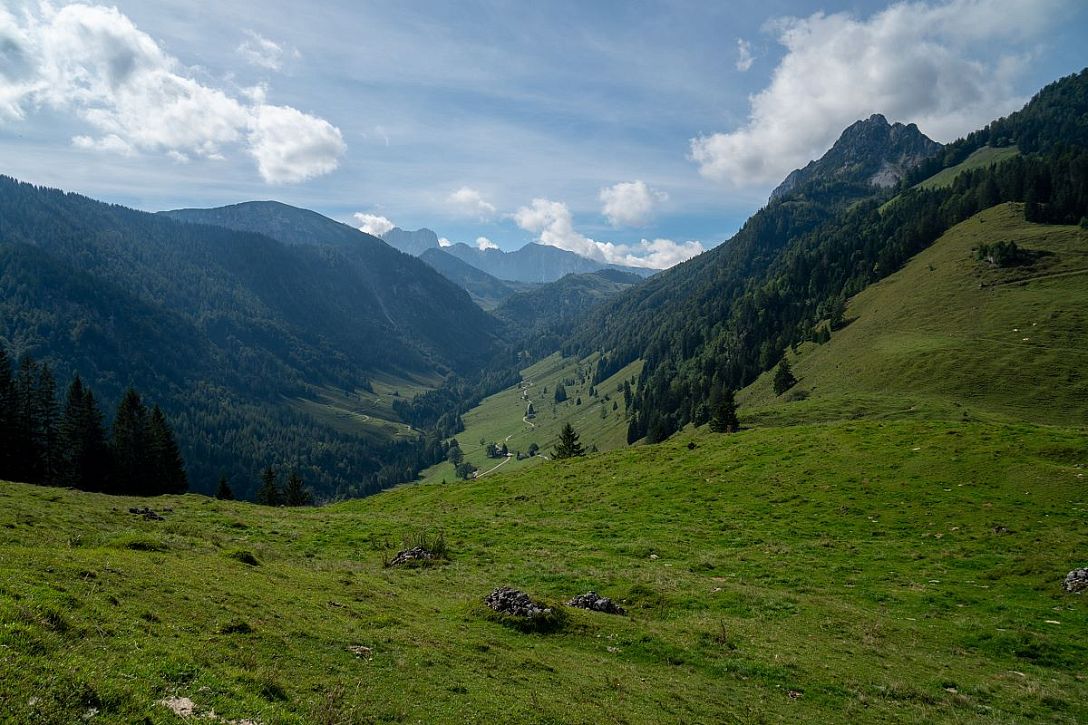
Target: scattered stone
(180, 706)
(361, 651)
(596, 603)
(1001, 530)
(653, 557)
(795, 694)
(1076, 581)
(147, 513)
(415, 554)
(505, 600)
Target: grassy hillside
(859, 571)
(950, 335)
(500, 417)
(981, 158)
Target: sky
(635, 133)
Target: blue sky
(635, 132)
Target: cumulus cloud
(443, 242)
(262, 52)
(291, 146)
(471, 202)
(554, 226)
(744, 55)
(629, 203)
(93, 62)
(923, 62)
(484, 244)
(373, 223)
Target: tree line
(67, 443)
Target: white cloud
(919, 62)
(552, 222)
(484, 244)
(744, 55)
(629, 203)
(373, 223)
(93, 62)
(443, 242)
(656, 254)
(471, 202)
(262, 52)
(291, 146)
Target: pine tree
(45, 428)
(454, 455)
(724, 419)
(224, 492)
(129, 443)
(26, 464)
(295, 492)
(7, 417)
(166, 469)
(269, 492)
(783, 377)
(560, 393)
(568, 445)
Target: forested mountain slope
(721, 319)
(223, 327)
(543, 316)
(485, 290)
(426, 310)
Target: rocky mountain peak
(871, 150)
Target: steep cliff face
(872, 150)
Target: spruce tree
(224, 492)
(26, 464)
(783, 377)
(724, 419)
(7, 417)
(269, 493)
(129, 443)
(295, 492)
(73, 421)
(568, 445)
(166, 469)
(97, 463)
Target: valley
(781, 423)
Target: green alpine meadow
(589, 363)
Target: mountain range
(535, 263)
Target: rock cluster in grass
(1076, 581)
(413, 555)
(596, 603)
(147, 513)
(515, 603)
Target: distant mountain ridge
(871, 151)
(538, 263)
(485, 290)
(414, 243)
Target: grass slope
(847, 572)
(949, 336)
(983, 157)
(499, 418)
(363, 412)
